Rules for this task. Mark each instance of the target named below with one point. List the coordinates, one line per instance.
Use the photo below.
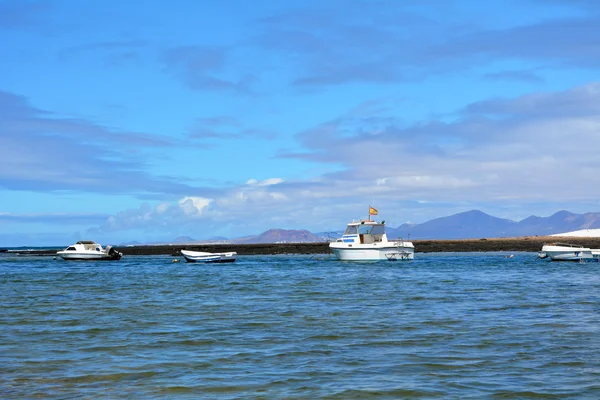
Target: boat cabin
(576, 246)
(89, 245)
(364, 232)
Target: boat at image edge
(568, 252)
(205, 257)
(366, 240)
(89, 250)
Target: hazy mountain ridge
(466, 225)
(477, 224)
(469, 224)
(281, 236)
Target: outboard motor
(112, 253)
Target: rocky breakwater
(241, 249)
(527, 243)
(530, 244)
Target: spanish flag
(372, 211)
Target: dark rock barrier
(530, 244)
(241, 249)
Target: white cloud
(507, 166)
(193, 206)
(266, 182)
(162, 208)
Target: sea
(445, 325)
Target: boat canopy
(90, 245)
(378, 229)
(566, 245)
(365, 229)
(351, 230)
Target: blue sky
(121, 122)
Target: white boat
(89, 250)
(568, 252)
(201, 256)
(366, 240)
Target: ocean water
(463, 325)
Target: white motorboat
(366, 240)
(205, 257)
(89, 250)
(568, 252)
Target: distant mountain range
(466, 225)
(476, 224)
(281, 236)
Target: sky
(124, 122)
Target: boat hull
(88, 250)
(356, 253)
(570, 256)
(86, 257)
(566, 253)
(209, 260)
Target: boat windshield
(371, 229)
(351, 230)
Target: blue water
(17, 249)
(462, 325)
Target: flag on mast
(372, 211)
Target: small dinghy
(204, 257)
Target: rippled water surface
(442, 326)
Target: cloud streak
(44, 152)
(84, 219)
(497, 150)
(22, 14)
(113, 53)
(203, 68)
(394, 43)
(226, 128)
(485, 160)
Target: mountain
(131, 243)
(216, 239)
(560, 222)
(282, 236)
(466, 225)
(328, 235)
(477, 224)
(183, 239)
